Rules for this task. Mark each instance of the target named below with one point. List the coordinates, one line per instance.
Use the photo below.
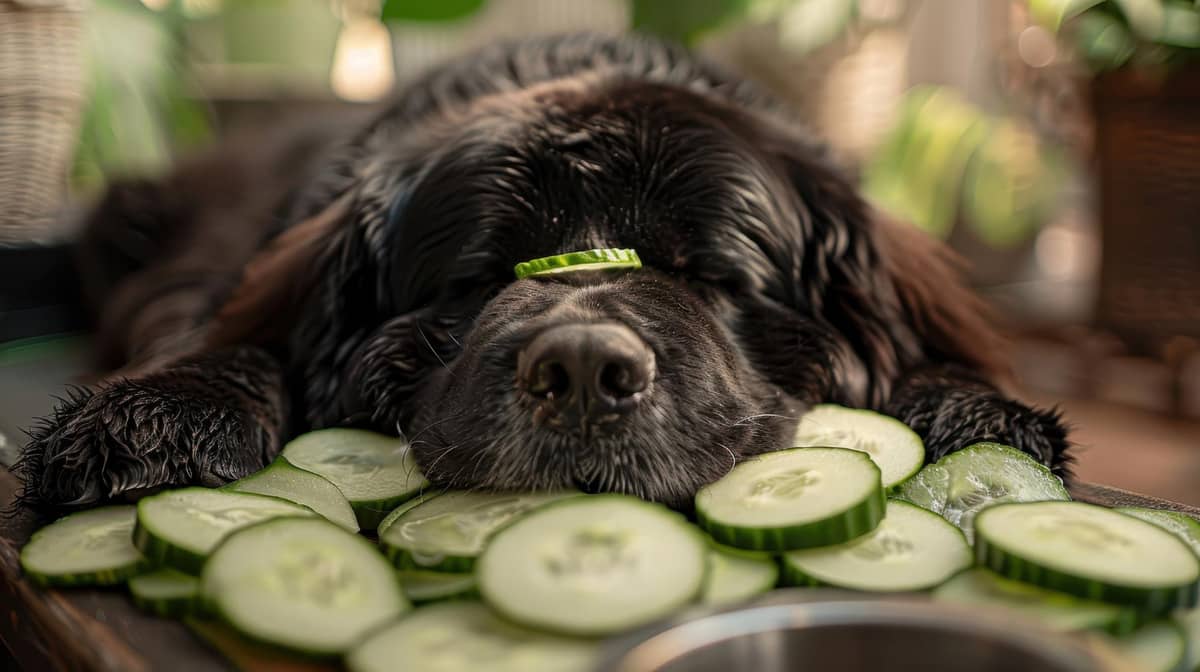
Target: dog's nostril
(623, 379)
(551, 380)
(586, 369)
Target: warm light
(1066, 252)
(156, 5)
(862, 93)
(362, 63)
(880, 10)
(1036, 47)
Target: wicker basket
(41, 97)
(1148, 146)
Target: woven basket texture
(42, 92)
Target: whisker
(426, 428)
(759, 416)
(444, 453)
(732, 458)
(431, 348)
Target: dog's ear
(312, 292)
(952, 321)
(275, 283)
(894, 296)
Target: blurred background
(1054, 143)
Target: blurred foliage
(1114, 33)
(429, 10)
(945, 159)
(685, 20)
(137, 113)
(803, 24)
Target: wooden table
(101, 629)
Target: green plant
(803, 23)
(945, 158)
(1114, 33)
(137, 110)
(429, 10)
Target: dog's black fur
(385, 297)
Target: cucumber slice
(593, 565)
(166, 592)
(1189, 620)
(375, 472)
(585, 260)
(791, 499)
(179, 528)
(464, 637)
(403, 509)
(421, 586)
(911, 549)
(304, 584)
(962, 484)
(446, 532)
(283, 480)
(1057, 611)
(895, 448)
(1088, 551)
(89, 548)
(1183, 526)
(735, 575)
(1155, 647)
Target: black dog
(369, 281)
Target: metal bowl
(823, 630)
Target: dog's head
(768, 285)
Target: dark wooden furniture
(1147, 140)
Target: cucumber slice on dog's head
(585, 260)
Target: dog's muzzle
(585, 375)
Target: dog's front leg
(205, 419)
(952, 407)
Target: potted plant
(1144, 61)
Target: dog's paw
(131, 437)
(964, 419)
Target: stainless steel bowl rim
(657, 645)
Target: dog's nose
(586, 371)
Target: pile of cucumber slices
(536, 581)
